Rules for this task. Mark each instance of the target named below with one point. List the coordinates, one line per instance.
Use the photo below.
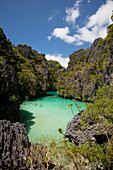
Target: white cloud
(94, 28)
(59, 58)
(73, 13)
(55, 13)
(102, 16)
(49, 37)
(97, 23)
(51, 17)
(89, 1)
(62, 33)
(77, 3)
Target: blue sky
(56, 28)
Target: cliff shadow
(27, 117)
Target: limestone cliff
(14, 145)
(93, 132)
(24, 74)
(9, 99)
(16, 152)
(89, 69)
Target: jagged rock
(16, 152)
(14, 145)
(8, 89)
(93, 132)
(8, 81)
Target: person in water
(40, 105)
(35, 104)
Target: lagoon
(46, 120)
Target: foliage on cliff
(91, 155)
(24, 74)
(31, 72)
(89, 77)
(9, 103)
(102, 108)
(54, 70)
(99, 113)
(89, 69)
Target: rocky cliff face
(44, 74)
(93, 132)
(32, 72)
(14, 145)
(9, 103)
(24, 73)
(95, 123)
(54, 71)
(89, 69)
(16, 152)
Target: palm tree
(70, 105)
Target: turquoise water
(46, 120)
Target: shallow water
(46, 120)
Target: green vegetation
(13, 99)
(88, 70)
(100, 113)
(102, 108)
(54, 69)
(62, 154)
(71, 108)
(109, 37)
(24, 73)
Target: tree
(112, 16)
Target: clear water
(46, 120)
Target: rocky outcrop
(9, 103)
(9, 99)
(93, 132)
(16, 152)
(14, 145)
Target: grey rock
(94, 132)
(13, 145)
